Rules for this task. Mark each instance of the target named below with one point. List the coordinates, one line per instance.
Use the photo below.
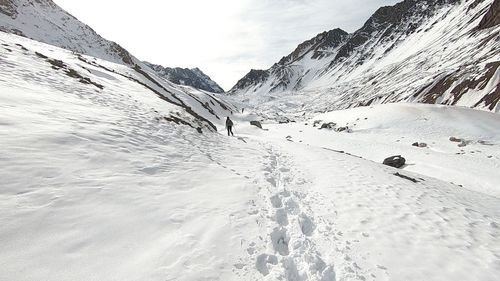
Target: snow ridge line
(291, 228)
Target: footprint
(262, 263)
(281, 217)
(307, 226)
(276, 201)
(280, 241)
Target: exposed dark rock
(343, 129)
(395, 161)
(318, 47)
(122, 53)
(406, 177)
(454, 139)
(492, 17)
(255, 76)
(420, 144)
(330, 126)
(8, 7)
(256, 124)
(40, 55)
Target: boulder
(454, 139)
(256, 124)
(421, 144)
(395, 161)
(317, 122)
(343, 129)
(330, 126)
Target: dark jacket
(229, 123)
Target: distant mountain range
(428, 51)
(44, 21)
(189, 77)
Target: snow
(390, 68)
(95, 185)
(386, 130)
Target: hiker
(229, 127)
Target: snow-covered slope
(52, 67)
(45, 21)
(188, 77)
(377, 132)
(432, 51)
(99, 183)
(104, 175)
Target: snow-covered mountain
(188, 77)
(431, 51)
(45, 21)
(104, 175)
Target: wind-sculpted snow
(416, 51)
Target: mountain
(110, 172)
(431, 51)
(188, 77)
(44, 21)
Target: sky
(224, 38)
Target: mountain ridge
(187, 77)
(403, 53)
(45, 21)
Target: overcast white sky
(224, 38)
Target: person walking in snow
(229, 127)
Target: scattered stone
(484, 142)
(395, 161)
(329, 126)
(256, 124)
(406, 177)
(317, 122)
(420, 144)
(343, 129)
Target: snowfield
(97, 185)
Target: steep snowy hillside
(98, 182)
(432, 51)
(199, 110)
(188, 77)
(44, 21)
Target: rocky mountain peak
(187, 77)
(319, 45)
